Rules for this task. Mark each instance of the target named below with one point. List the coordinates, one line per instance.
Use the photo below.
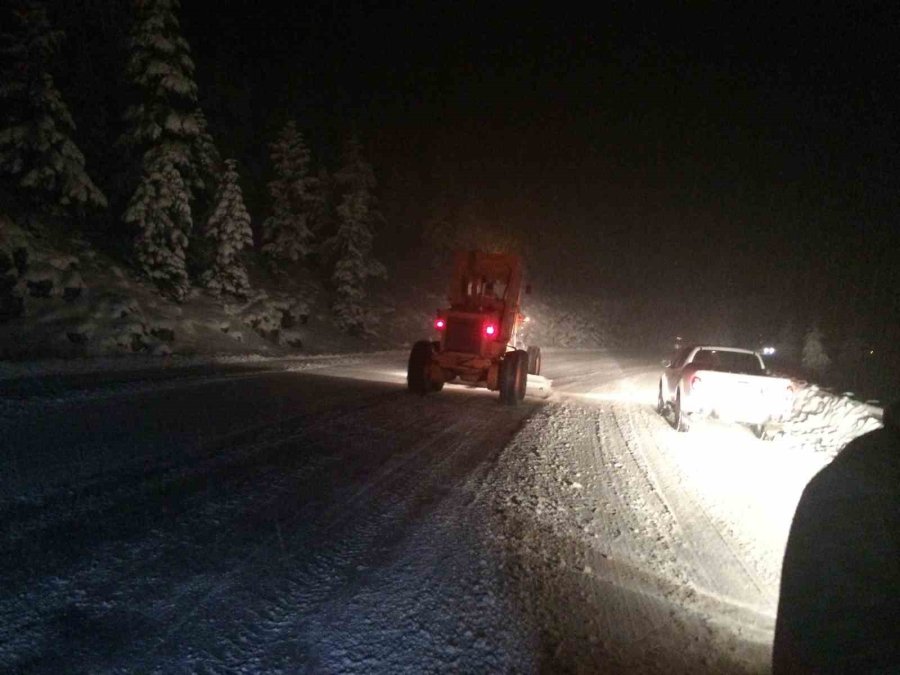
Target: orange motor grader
(479, 341)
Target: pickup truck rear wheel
(760, 431)
(660, 402)
(681, 420)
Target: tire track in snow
(575, 547)
(715, 564)
(594, 555)
(418, 448)
(280, 606)
(355, 535)
(126, 486)
(313, 523)
(96, 568)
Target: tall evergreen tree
(349, 250)
(229, 230)
(814, 357)
(36, 149)
(286, 233)
(789, 340)
(160, 210)
(166, 128)
(164, 119)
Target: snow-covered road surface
(314, 517)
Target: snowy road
(312, 516)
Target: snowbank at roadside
(61, 299)
(826, 422)
(137, 363)
(595, 547)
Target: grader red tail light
(490, 330)
(440, 324)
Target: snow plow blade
(538, 386)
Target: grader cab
(478, 334)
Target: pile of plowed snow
(826, 422)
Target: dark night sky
(731, 145)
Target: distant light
(871, 352)
(768, 351)
(439, 324)
(490, 329)
(527, 319)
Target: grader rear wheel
(534, 360)
(513, 377)
(418, 377)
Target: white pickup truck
(723, 382)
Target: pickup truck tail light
(696, 382)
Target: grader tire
(417, 377)
(534, 360)
(513, 377)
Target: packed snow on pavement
(338, 524)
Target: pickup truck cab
(725, 383)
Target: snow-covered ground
(311, 516)
(72, 306)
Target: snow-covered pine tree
(229, 230)
(349, 250)
(814, 358)
(164, 120)
(789, 340)
(161, 213)
(286, 233)
(36, 148)
(165, 129)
